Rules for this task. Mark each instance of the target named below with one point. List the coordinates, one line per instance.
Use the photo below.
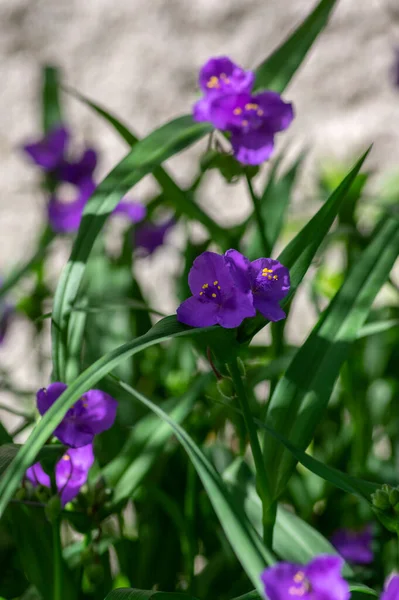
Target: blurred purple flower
(354, 546)
(77, 171)
(149, 236)
(93, 413)
(220, 76)
(267, 280)
(48, 152)
(391, 591)
(65, 217)
(216, 299)
(135, 212)
(71, 472)
(319, 579)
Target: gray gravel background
(140, 59)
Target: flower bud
(226, 388)
(241, 367)
(53, 509)
(394, 497)
(380, 500)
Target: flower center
(301, 585)
(211, 291)
(265, 280)
(214, 81)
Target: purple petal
(99, 411)
(65, 217)
(354, 546)
(135, 212)
(277, 114)
(46, 397)
(149, 236)
(220, 74)
(72, 470)
(226, 112)
(49, 151)
(76, 171)
(197, 312)
(73, 434)
(37, 476)
(252, 147)
(274, 285)
(235, 308)
(240, 267)
(324, 575)
(278, 580)
(269, 309)
(201, 109)
(391, 591)
(207, 268)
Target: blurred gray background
(140, 59)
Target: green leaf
(302, 395)
(246, 543)
(147, 154)
(361, 592)
(162, 331)
(300, 252)
(131, 594)
(9, 451)
(51, 101)
(146, 441)
(377, 327)
(181, 200)
(277, 70)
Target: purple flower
(65, 217)
(318, 580)
(391, 591)
(216, 299)
(71, 472)
(354, 546)
(77, 171)
(149, 236)
(48, 152)
(218, 77)
(135, 212)
(252, 121)
(93, 413)
(267, 280)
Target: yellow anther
(299, 577)
(251, 106)
(275, 276)
(244, 122)
(264, 274)
(215, 282)
(297, 591)
(213, 295)
(66, 457)
(218, 287)
(85, 405)
(266, 270)
(201, 293)
(224, 77)
(260, 112)
(206, 285)
(269, 277)
(237, 111)
(213, 82)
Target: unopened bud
(380, 499)
(394, 497)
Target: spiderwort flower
(267, 279)
(93, 413)
(48, 152)
(149, 236)
(354, 546)
(65, 217)
(71, 472)
(319, 579)
(220, 76)
(391, 591)
(216, 299)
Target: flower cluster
(251, 119)
(354, 546)
(228, 288)
(92, 414)
(50, 154)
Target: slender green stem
(262, 483)
(259, 218)
(57, 553)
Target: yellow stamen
(269, 277)
(85, 405)
(299, 577)
(213, 295)
(244, 122)
(219, 287)
(259, 112)
(294, 591)
(206, 285)
(66, 457)
(213, 82)
(275, 276)
(224, 77)
(201, 293)
(237, 111)
(251, 106)
(265, 270)
(215, 282)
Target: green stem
(259, 218)
(57, 553)
(262, 483)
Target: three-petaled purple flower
(216, 299)
(391, 591)
(71, 472)
(320, 579)
(93, 413)
(265, 278)
(354, 546)
(252, 119)
(49, 152)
